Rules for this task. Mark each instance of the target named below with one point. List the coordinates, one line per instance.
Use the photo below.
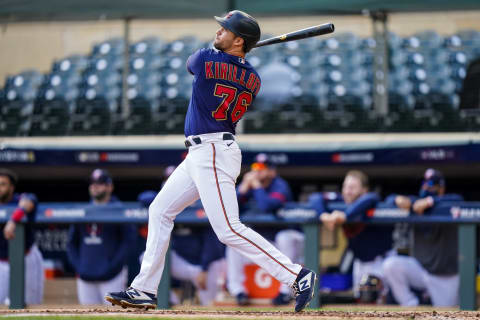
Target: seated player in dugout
(196, 255)
(432, 266)
(370, 244)
(26, 206)
(98, 251)
(262, 190)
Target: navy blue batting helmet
(242, 25)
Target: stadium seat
(91, 117)
(50, 117)
(139, 121)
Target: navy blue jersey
(268, 199)
(98, 251)
(224, 86)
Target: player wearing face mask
(433, 264)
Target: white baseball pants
(93, 292)
(209, 172)
(403, 273)
(34, 278)
(183, 270)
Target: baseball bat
(325, 28)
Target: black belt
(197, 140)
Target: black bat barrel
(299, 34)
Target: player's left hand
(9, 230)
(421, 205)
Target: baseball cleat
(242, 299)
(304, 288)
(132, 298)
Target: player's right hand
(403, 202)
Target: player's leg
(4, 281)
(443, 290)
(117, 283)
(88, 292)
(34, 276)
(401, 273)
(214, 167)
(236, 275)
(178, 192)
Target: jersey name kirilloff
(230, 72)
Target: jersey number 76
(229, 95)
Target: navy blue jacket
(365, 241)
(29, 227)
(266, 200)
(98, 252)
(199, 246)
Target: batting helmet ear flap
(242, 25)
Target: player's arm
(400, 201)
(195, 62)
(269, 202)
(358, 209)
(26, 205)
(423, 205)
(354, 212)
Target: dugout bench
(465, 214)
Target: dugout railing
(465, 214)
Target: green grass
(88, 317)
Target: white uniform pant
(34, 278)
(290, 242)
(403, 273)
(208, 172)
(181, 269)
(93, 292)
(362, 268)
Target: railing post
(311, 231)
(16, 259)
(163, 293)
(467, 265)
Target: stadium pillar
(380, 64)
(126, 68)
(16, 258)
(467, 265)
(311, 231)
(163, 293)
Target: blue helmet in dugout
(100, 176)
(433, 183)
(242, 25)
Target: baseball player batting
(224, 86)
